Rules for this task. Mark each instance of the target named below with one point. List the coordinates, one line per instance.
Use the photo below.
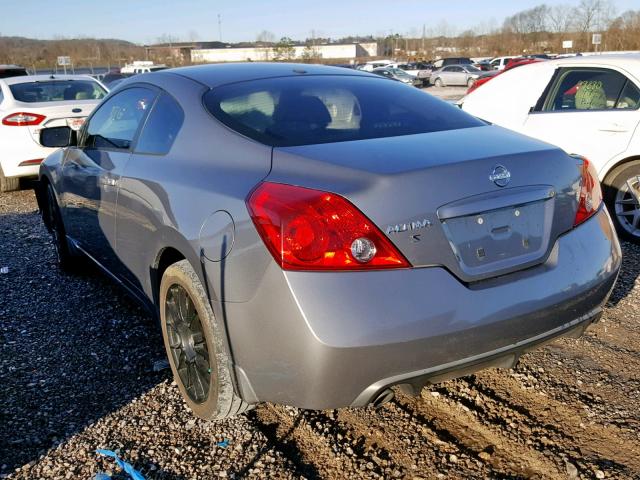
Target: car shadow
(73, 348)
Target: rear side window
(162, 127)
(589, 89)
(57, 91)
(629, 98)
(291, 111)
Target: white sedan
(30, 103)
(588, 106)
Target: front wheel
(194, 343)
(68, 261)
(622, 196)
(438, 83)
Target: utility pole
(220, 27)
(423, 35)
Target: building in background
(296, 52)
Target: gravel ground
(450, 94)
(77, 373)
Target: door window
(590, 89)
(161, 128)
(115, 124)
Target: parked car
(141, 66)
(373, 64)
(301, 248)
(415, 70)
(398, 75)
(455, 75)
(513, 63)
(484, 65)
(500, 63)
(30, 103)
(7, 71)
(585, 105)
(444, 62)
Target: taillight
(307, 229)
(23, 119)
(590, 194)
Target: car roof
(44, 78)
(214, 75)
(628, 60)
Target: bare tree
(559, 18)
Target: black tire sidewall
(611, 185)
(214, 406)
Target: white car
(30, 103)
(588, 106)
(500, 63)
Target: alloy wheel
(187, 343)
(628, 206)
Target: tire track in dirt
(503, 455)
(558, 427)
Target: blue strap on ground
(223, 444)
(127, 467)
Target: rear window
(12, 72)
(57, 91)
(290, 111)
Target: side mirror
(58, 137)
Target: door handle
(613, 128)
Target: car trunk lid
(57, 114)
(481, 201)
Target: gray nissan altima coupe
(313, 236)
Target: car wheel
(438, 83)
(68, 260)
(622, 196)
(8, 184)
(194, 343)
(470, 82)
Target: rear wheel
(8, 184)
(622, 196)
(470, 82)
(438, 83)
(194, 344)
(67, 259)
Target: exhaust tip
(384, 397)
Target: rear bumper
(326, 340)
(18, 146)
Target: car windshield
(57, 91)
(290, 111)
(399, 72)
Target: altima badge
(500, 176)
(408, 227)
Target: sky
(145, 21)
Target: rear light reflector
(23, 119)
(35, 161)
(307, 229)
(590, 193)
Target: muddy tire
(68, 260)
(195, 348)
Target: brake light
(590, 193)
(307, 229)
(23, 119)
(35, 161)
